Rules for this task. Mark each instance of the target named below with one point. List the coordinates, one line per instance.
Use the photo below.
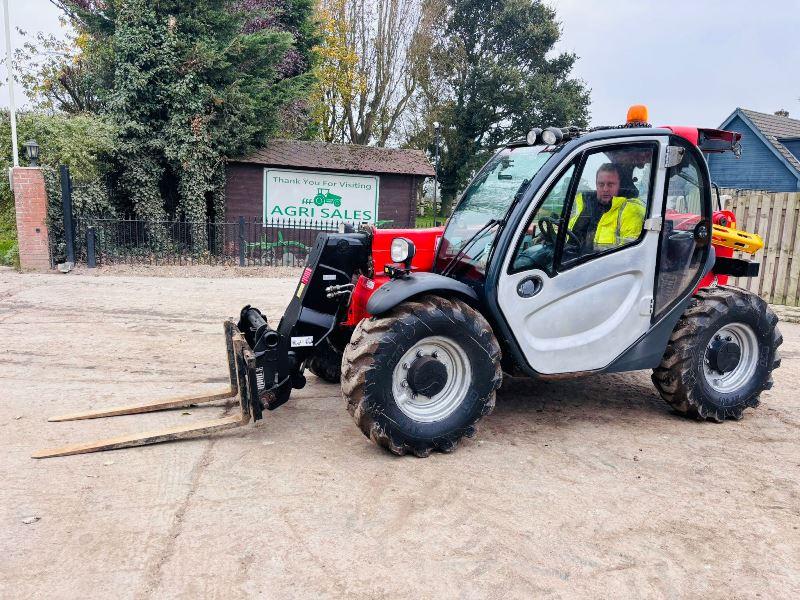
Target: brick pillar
(30, 200)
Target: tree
(367, 68)
(192, 84)
(61, 75)
(335, 73)
(490, 76)
(295, 17)
(145, 68)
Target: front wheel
(421, 377)
(721, 355)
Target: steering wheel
(547, 225)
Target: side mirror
(674, 156)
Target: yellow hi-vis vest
(620, 224)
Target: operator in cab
(606, 218)
(628, 161)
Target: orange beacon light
(637, 114)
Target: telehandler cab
(570, 253)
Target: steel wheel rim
(731, 381)
(441, 405)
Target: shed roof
(340, 157)
(773, 128)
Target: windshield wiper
(468, 244)
(518, 195)
(520, 191)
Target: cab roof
(708, 140)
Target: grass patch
(427, 221)
(8, 233)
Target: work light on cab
(551, 136)
(533, 136)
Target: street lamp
(32, 153)
(437, 127)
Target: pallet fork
(264, 364)
(244, 390)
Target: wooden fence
(776, 218)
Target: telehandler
(570, 253)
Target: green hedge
(82, 142)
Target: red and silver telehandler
(570, 253)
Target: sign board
(331, 197)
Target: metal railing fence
(243, 242)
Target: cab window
(610, 203)
(686, 207)
(536, 248)
(471, 230)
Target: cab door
(575, 299)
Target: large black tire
(377, 347)
(685, 378)
(326, 362)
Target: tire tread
(358, 360)
(674, 378)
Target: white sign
(302, 341)
(329, 197)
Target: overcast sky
(691, 61)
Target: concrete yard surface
(585, 488)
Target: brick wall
(30, 200)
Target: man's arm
(632, 220)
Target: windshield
(475, 222)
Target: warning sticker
(302, 341)
(306, 276)
(260, 378)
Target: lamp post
(437, 128)
(32, 153)
(10, 74)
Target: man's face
(607, 186)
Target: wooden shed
(326, 182)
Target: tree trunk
(447, 200)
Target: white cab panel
(583, 318)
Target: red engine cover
(426, 241)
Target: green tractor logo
(324, 196)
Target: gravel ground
(586, 488)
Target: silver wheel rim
(441, 405)
(747, 341)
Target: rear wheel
(420, 378)
(326, 362)
(721, 355)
